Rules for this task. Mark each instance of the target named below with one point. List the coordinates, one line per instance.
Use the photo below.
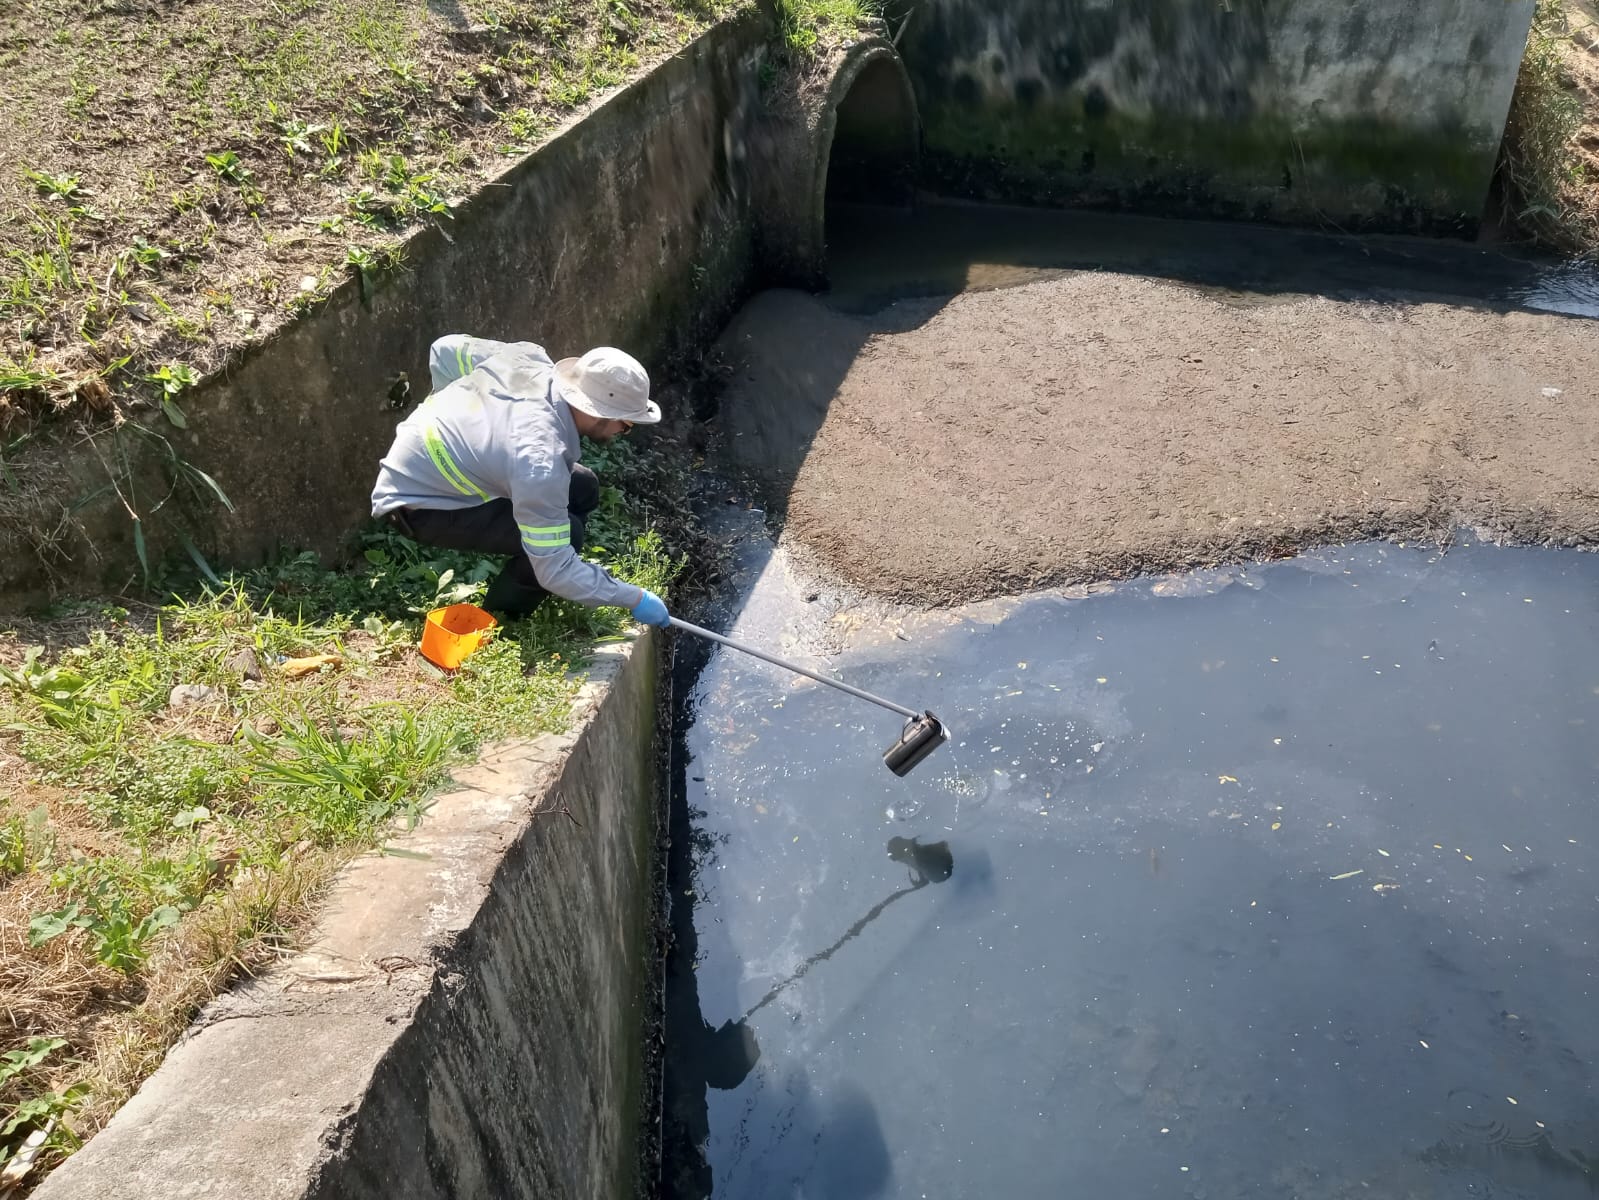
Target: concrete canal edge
(468, 1022)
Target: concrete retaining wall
(632, 227)
(467, 1026)
(1367, 113)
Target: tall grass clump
(1539, 162)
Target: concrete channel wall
(468, 1025)
(1360, 113)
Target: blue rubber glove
(651, 610)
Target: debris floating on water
(1424, 1045)
(1349, 874)
(1384, 853)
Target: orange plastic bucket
(451, 635)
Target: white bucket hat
(608, 384)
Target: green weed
(334, 144)
(296, 137)
(42, 1109)
(227, 166)
(336, 785)
(527, 128)
(15, 1062)
(58, 187)
(803, 24)
(174, 378)
(121, 905)
(26, 374)
(24, 841)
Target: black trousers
(491, 529)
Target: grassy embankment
(1550, 160)
(174, 793)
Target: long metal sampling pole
(795, 667)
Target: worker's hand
(651, 610)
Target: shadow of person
(727, 1054)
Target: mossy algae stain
(1078, 149)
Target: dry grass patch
(1551, 151)
(183, 178)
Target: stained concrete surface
(1354, 113)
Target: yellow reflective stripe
(446, 465)
(546, 535)
(461, 360)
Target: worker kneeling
(490, 462)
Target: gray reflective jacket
(493, 429)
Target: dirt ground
(1099, 425)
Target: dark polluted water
(1273, 881)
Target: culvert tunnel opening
(872, 158)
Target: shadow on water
(701, 1055)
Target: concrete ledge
(466, 1024)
